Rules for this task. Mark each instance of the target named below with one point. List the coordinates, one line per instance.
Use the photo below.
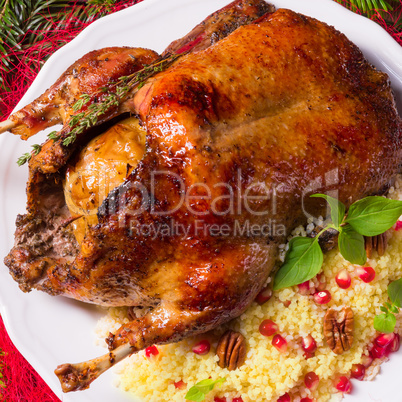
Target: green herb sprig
(198, 391)
(369, 216)
(28, 155)
(111, 96)
(386, 321)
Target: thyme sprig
(111, 96)
(28, 155)
(114, 94)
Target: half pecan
(231, 350)
(338, 329)
(377, 243)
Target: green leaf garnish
(23, 159)
(337, 208)
(385, 323)
(351, 245)
(303, 261)
(372, 216)
(395, 292)
(198, 391)
(369, 216)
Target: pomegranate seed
(344, 385)
(284, 398)
(322, 297)
(306, 400)
(216, 399)
(202, 347)
(268, 328)
(180, 384)
(308, 355)
(309, 345)
(322, 282)
(398, 225)
(358, 371)
(366, 274)
(311, 380)
(237, 399)
(367, 360)
(377, 352)
(280, 343)
(395, 344)
(304, 288)
(384, 340)
(151, 351)
(286, 303)
(264, 295)
(343, 279)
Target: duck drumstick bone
(7, 125)
(79, 376)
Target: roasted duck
(261, 109)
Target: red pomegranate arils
(344, 385)
(202, 347)
(358, 371)
(180, 384)
(311, 380)
(304, 288)
(322, 297)
(398, 225)
(264, 295)
(151, 351)
(284, 398)
(280, 343)
(306, 400)
(239, 399)
(217, 399)
(343, 279)
(309, 345)
(268, 328)
(377, 352)
(383, 340)
(366, 274)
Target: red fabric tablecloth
(19, 382)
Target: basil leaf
(372, 216)
(351, 245)
(303, 261)
(385, 323)
(394, 310)
(395, 292)
(384, 309)
(207, 385)
(198, 391)
(337, 208)
(194, 394)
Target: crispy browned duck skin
(288, 100)
(309, 104)
(100, 68)
(87, 75)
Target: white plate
(53, 330)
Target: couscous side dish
(301, 365)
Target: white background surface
(49, 331)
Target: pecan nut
(377, 243)
(231, 350)
(338, 329)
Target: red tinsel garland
(21, 382)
